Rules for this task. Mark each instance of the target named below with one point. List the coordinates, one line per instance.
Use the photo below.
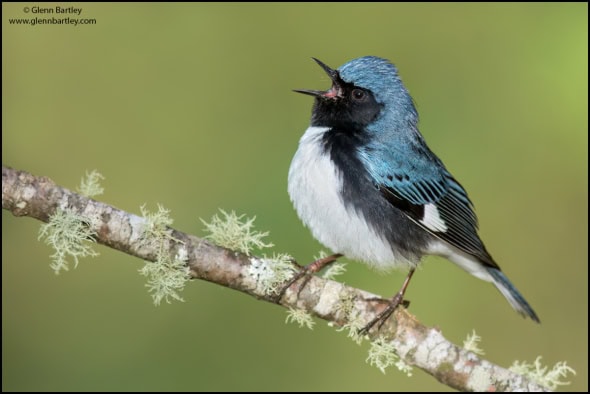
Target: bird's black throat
(355, 107)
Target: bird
(369, 188)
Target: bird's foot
(306, 272)
(393, 304)
(382, 317)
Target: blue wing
(419, 185)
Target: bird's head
(362, 91)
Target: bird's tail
(513, 296)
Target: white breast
(314, 187)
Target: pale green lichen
(233, 232)
(321, 254)
(471, 344)
(90, 185)
(166, 276)
(156, 226)
(550, 378)
(300, 317)
(382, 354)
(271, 273)
(67, 232)
(335, 269)
(346, 305)
(354, 327)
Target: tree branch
(24, 194)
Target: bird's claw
(382, 317)
(308, 272)
(304, 271)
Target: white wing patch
(432, 219)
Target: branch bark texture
(24, 194)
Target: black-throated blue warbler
(368, 187)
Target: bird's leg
(307, 271)
(397, 299)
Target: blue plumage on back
(399, 161)
(367, 185)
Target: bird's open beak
(334, 91)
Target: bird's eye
(358, 94)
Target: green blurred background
(189, 105)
